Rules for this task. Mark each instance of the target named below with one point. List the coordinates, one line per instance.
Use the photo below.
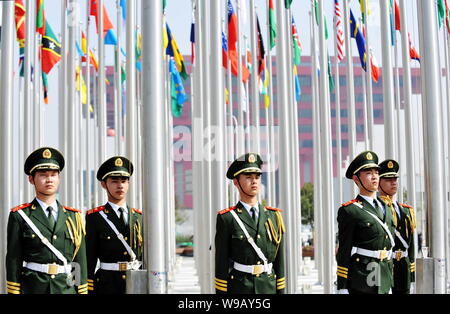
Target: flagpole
(365, 105)
(131, 133)
(102, 110)
(118, 83)
(316, 153)
(6, 113)
(241, 124)
(434, 192)
(350, 90)
(153, 145)
(369, 90)
(271, 152)
(88, 113)
(255, 91)
(338, 119)
(388, 85)
(28, 92)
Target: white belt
(399, 254)
(253, 269)
(51, 269)
(380, 254)
(120, 266)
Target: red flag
(40, 17)
(107, 25)
(374, 67)
(397, 17)
(50, 49)
(414, 55)
(339, 31)
(19, 13)
(232, 45)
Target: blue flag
(360, 41)
(177, 92)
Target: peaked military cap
(117, 166)
(389, 169)
(365, 160)
(248, 163)
(44, 158)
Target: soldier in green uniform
(45, 241)
(113, 231)
(366, 234)
(249, 238)
(405, 223)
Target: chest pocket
(368, 230)
(31, 241)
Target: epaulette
(20, 207)
(404, 205)
(227, 210)
(273, 208)
(349, 203)
(94, 210)
(137, 210)
(72, 209)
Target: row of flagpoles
(155, 94)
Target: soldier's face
(45, 182)
(369, 178)
(250, 183)
(117, 187)
(389, 186)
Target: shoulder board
(94, 210)
(227, 210)
(349, 203)
(273, 208)
(20, 207)
(135, 210)
(72, 209)
(404, 205)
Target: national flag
(441, 12)
(447, 16)
(398, 25)
(40, 17)
(173, 51)
(50, 49)
(339, 31)
(287, 3)
(360, 41)
(138, 50)
(123, 5)
(224, 51)
(298, 90)
(108, 33)
(261, 50)
(330, 76)
(227, 96)
(93, 60)
(45, 87)
(316, 10)
(232, 45)
(296, 43)
(177, 92)
(83, 47)
(375, 69)
(414, 55)
(362, 4)
(19, 12)
(192, 39)
(272, 24)
(80, 85)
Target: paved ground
(185, 279)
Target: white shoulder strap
(399, 236)
(44, 240)
(385, 227)
(249, 238)
(119, 236)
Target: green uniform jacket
(25, 246)
(359, 229)
(102, 244)
(232, 245)
(404, 268)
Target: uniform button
(98, 279)
(125, 253)
(399, 228)
(259, 236)
(386, 237)
(242, 236)
(108, 238)
(258, 262)
(33, 236)
(52, 276)
(126, 238)
(232, 277)
(368, 223)
(124, 277)
(384, 248)
(357, 259)
(258, 275)
(55, 237)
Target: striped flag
(339, 31)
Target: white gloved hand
(412, 289)
(342, 291)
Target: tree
(307, 198)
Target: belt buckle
(123, 266)
(398, 255)
(383, 254)
(258, 269)
(52, 269)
